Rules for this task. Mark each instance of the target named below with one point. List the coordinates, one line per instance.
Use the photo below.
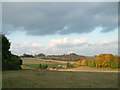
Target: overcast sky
(85, 28)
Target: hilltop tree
(40, 55)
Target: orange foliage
(103, 60)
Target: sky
(85, 28)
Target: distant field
(34, 61)
(50, 65)
(58, 79)
(29, 63)
(40, 61)
(90, 69)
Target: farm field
(34, 63)
(41, 61)
(49, 65)
(58, 79)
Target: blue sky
(84, 28)
(94, 36)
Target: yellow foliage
(83, 63)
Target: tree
(9, 61)
(41, 55)
(68, 65)
(104, 60)
(27, 55)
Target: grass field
(49, 65)
(58, 79)
(34, 78)
(35, 61)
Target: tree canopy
(9, 61)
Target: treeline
(102, 60)
(9, 61)
(32, 56)
(64, 57)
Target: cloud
(66, 43)
(103, 43)
(60, 42)
(80, 41)
(44, 18)
(26, 47)
(65, 46)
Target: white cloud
(65, 42)
(64, 46)
(56, 42)
(80, 41)
(37, 45)
(26, 47)
(104, 43)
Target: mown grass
(49, 65)
(58, 79)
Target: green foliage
(114, 64)
(72, 66)
(9, 61)
(43, 66)
(40, 55)
(68, 65)
(27, 55)
(111, 61)
(91, 63)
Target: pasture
(35, 78)
(49, 65)
(58, 79)
(35, 62)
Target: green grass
(57, 79)
(49, 65)
(38, 61)
(34, 61)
